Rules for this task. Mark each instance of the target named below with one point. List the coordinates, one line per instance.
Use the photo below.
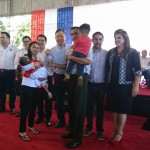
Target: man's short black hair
(7, 34)
(26, 37)
(85, 28)
(42, 35)
(75, 27)
(99, 33)
(58, 30)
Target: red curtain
(37, 23)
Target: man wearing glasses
(26, 41)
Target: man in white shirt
(145, 64)
(7, 72)
(57, 60)
(47, 110)
(22, 52)
(96, 86)
(26, 41)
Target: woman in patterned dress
(123, 72)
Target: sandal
(24, 137)
(33, 130)
(112, 136)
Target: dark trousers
(45, 110)
(60, 89)
(96, 93)
(7, 82)
(29, 98)
(146, 74)
(77, 106)
(146, 125)
(80, 67)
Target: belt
(2, 70)
(97, 83)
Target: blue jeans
(80, 67)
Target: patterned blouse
(129, 67)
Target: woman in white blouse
(29, 95)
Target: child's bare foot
(79, 82)
(67, 77)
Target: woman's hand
(135, 90)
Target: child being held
(36, 74)
(81, 49)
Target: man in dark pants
(57, 60)
(7, 72)
(77, 101)
(96, 87)
(44, 110)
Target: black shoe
(87, 132)
(48, 123)
(2, 109)
(60, 124)
(73, 144)
(12, 111)
(38, 120)
(100, 136)
(67, 136)
(68, 128)
(18, 114)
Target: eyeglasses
(26, 41)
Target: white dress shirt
(145, 62)
(97, 73)
(19, 54)
(42, 57)
(58, 55)
(7, 57)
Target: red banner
(37, 23)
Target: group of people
(86, 73)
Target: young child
(36, 74)
(81, 49)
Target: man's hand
(69, 57)
(48, 51)
(53, 64)
(143, 69)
